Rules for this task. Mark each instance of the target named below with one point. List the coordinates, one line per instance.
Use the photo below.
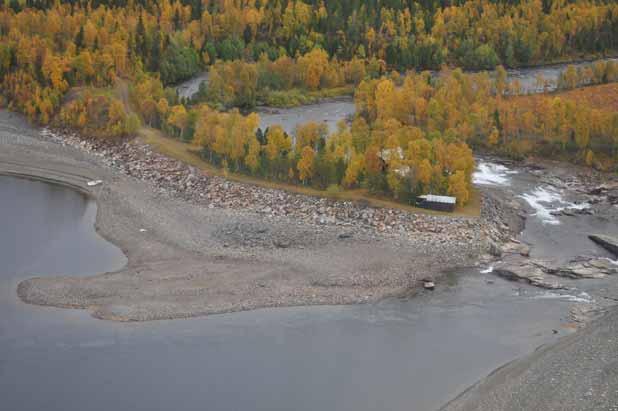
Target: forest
(285, 81)
(412, 134)
(63, 62)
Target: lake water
(395, 355)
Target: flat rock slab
(582, 267)
(521, 269)
(539, 273)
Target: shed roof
(438, 199)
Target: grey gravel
(199, 245)
(579, 373)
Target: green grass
(299, 97)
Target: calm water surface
(412, 354)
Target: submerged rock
(607, 242)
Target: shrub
(98, 116)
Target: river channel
(331, 112)
(399, 354)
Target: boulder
(494, 249)
(281, 243)
(607, 242)
(594, 268)
(516, 247)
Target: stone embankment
(174, 178)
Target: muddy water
(396, 355)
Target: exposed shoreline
(578, 372)
(575, 373)
(191, 256)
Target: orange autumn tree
(306, 164)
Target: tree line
(376, 152)
(411, 135)
(285, 81)
(47, 47)
(98, 115)
(486, 112)
(601, 72)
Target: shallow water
(328, 112)
(559, 238)
(397, 355)
(46, 229)
(528, 77)
(189, 88)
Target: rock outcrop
(608, 190)
(582, 267)
(518, 268)
(539, 273)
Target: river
(558, 238)
(400, 354)
(187, 89)
(331, 112)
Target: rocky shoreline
(260, 222)
(578, 372)
(174, 178)
(198, 244)
(590, 193)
